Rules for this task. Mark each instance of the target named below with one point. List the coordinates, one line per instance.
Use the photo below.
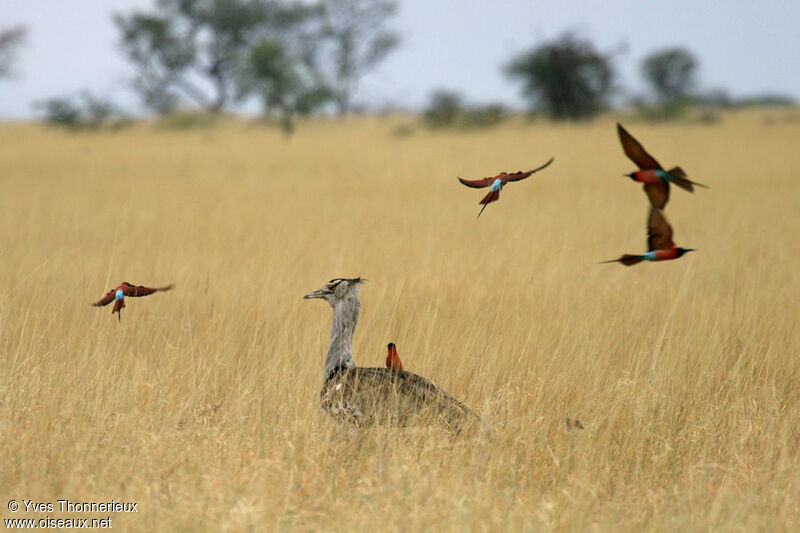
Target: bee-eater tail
(492, 196)
(679, 178)
(626, 260)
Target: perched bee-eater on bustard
(393, 361)
(126, 289)
(656, 180)
(498, 182)
(659, 242)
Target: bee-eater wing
(516, 176)
(659, 232)
(477, 184)
(636, 151)
(657, 193)
(140, 290)
(107, 299)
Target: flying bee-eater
(659, 242)
(656, 180)
(498, 182)
(126, 289)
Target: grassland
(202, 404)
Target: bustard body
(365, 396)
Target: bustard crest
(336, 289)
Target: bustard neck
(340, 350)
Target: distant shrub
(713, 99)
(447, 110)
(184, 120)
(658, 112)
(86, 111)
(766, 100)
(444, 109)
(484, 116)
(60, 111)
(403, 130)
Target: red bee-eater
(656, 180)
(126, 289)
(659, 242)
(497, 183)
(393, 361)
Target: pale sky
(743, 46)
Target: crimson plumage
(393, 361)
(498, 182)
(126, 289)
(656, 180)
(660, 246)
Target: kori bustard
(368, 396)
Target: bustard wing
(140, 290)
(516, 176)
(107, 299)
(366, 396)
(636, 151)
(659, 232)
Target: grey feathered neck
(345, 317)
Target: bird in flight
(656, 180)
(659, 242)
(497, 183)
(126, 289)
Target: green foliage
(447, 110)
(286, 88)
(444, 109)
(10, 41)
(61, 111)
(184, 120)
(662, 112)
(484, 116)
(766, 100)
(206, 51)
(84, 112)
(567, 78)
(671, 74)
(351, 39)
(195, 48)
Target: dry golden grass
(202, 405)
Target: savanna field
(202, 404)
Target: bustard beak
(319, 293)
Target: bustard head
(337, 290)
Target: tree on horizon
(567, 78)
(10, 41)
